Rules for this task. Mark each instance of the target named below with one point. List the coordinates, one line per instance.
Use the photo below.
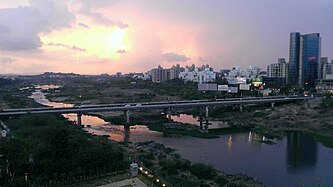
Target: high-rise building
(310, 54)
(158, 74)
(322, 63)
(278, 70)
(276, 74)
(328, 71)
(175, 70)
(304, 58)
(294, 48)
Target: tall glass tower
(310, 54)
(304, 58)
(294, 57)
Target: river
(294, 160)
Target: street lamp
(26, 179)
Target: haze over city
(109, 36)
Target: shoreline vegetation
(54, 152)
(313, 118)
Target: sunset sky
(107, 36)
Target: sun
(115, 41)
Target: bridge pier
(127, 116)
(272, 105)
(241, 108)
(201, 121)
(200, 118)
(79, 118)
(207, 112)
(206, 117)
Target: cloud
(89, 9)
(67, 46)
(174, 57)
(20, 27)
(4, 29)
(96, 61)
(121, 51)
(5, 60)
(84, 25)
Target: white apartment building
(205, 75)
(238, 76)
(328, 71)
(158, 74)
(278, 70)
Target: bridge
(167, 105)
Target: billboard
(244, 86)
(222, 88)
(265, 92)
(207, 87)
(236, 80)
(241, 80)
(232, 89)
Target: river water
(294, 160)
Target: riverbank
(307, 117)
(169, 165)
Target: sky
(109, 36)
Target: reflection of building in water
(301, 151)
(253, 137)
(230, 141)
(250, 136)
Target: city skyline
(111, 36)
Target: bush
(147, 159)
(221, 181)
(172, 167)
(203, 171)
(327, 101)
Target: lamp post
(26, 179)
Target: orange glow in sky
(107, 36)
(97, 41)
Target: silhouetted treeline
(51, 151)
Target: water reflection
(230, 141)
(200, 121)
(40, 98)
(301, 152)
(96, 125)
(126, 133)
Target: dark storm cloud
(174, 57)
(20, 27)
(83, 25)
(122, 51)
(67, 46)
